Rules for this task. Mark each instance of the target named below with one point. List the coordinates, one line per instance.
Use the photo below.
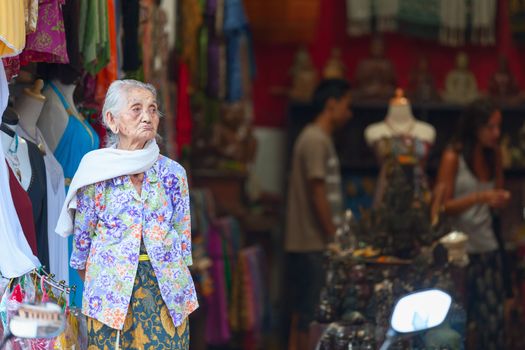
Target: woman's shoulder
(168, 165)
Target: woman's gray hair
(116, 100)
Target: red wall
(273, 62)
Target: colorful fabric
(110, 72)
(78, 139)
(11, 66)
(419, 18)
(110, 220)
(147, 324)
(409, 152)
(93, 35)
(12, 28)
(48, 42)
(517, 21)
(217, 327)
(31, 15)
(183, 123)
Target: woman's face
(138, 121)
(489, 134)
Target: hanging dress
(78, 139)
(58, 251)
(24, 209)
(14, 245)
(12, 28)
(37, 192)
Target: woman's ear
(112, 122)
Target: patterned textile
(409, 152)
(110, 219)
(48, 42)
(359, 17)
(485, 299)
(419, 18)
(12, 28)
(31, 15)
(94, 34)
(517, 21)
(147, 325)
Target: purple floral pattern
(110, 221)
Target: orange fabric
(109, 73)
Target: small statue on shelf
(422, 87)
(334, 68)
(304, 77)
(460, 83)
(375, 77)
(232, 139)
(502, 86)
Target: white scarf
(100, 165)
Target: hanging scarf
(453, 27)
(517, 20)
(386, 14)
(483, 30)
(183, 123)
(359, 17)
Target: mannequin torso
(401, 139)
(29, 108)
(17, 154)
(400, 122)
(54, 118)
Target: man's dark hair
(327, 89)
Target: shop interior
(235, 81)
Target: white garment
(386, 14)
(359, 17)
(453, 24)
(99, 165)
(56, 194)
(16, 257)
(484, 22)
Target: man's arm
(322, 207)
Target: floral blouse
(110, 221)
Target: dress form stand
(400, 139)
(54, 118)
(399, 121)
(29, 106)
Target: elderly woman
(128, 208)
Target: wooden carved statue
(375, 77)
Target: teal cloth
(78, 139)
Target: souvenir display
(503, 86)
(422, 85)
(375, 78)
(334, 68)
(461, 86)
(304, 77)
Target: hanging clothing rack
(49, 280)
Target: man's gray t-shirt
(314, 157)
